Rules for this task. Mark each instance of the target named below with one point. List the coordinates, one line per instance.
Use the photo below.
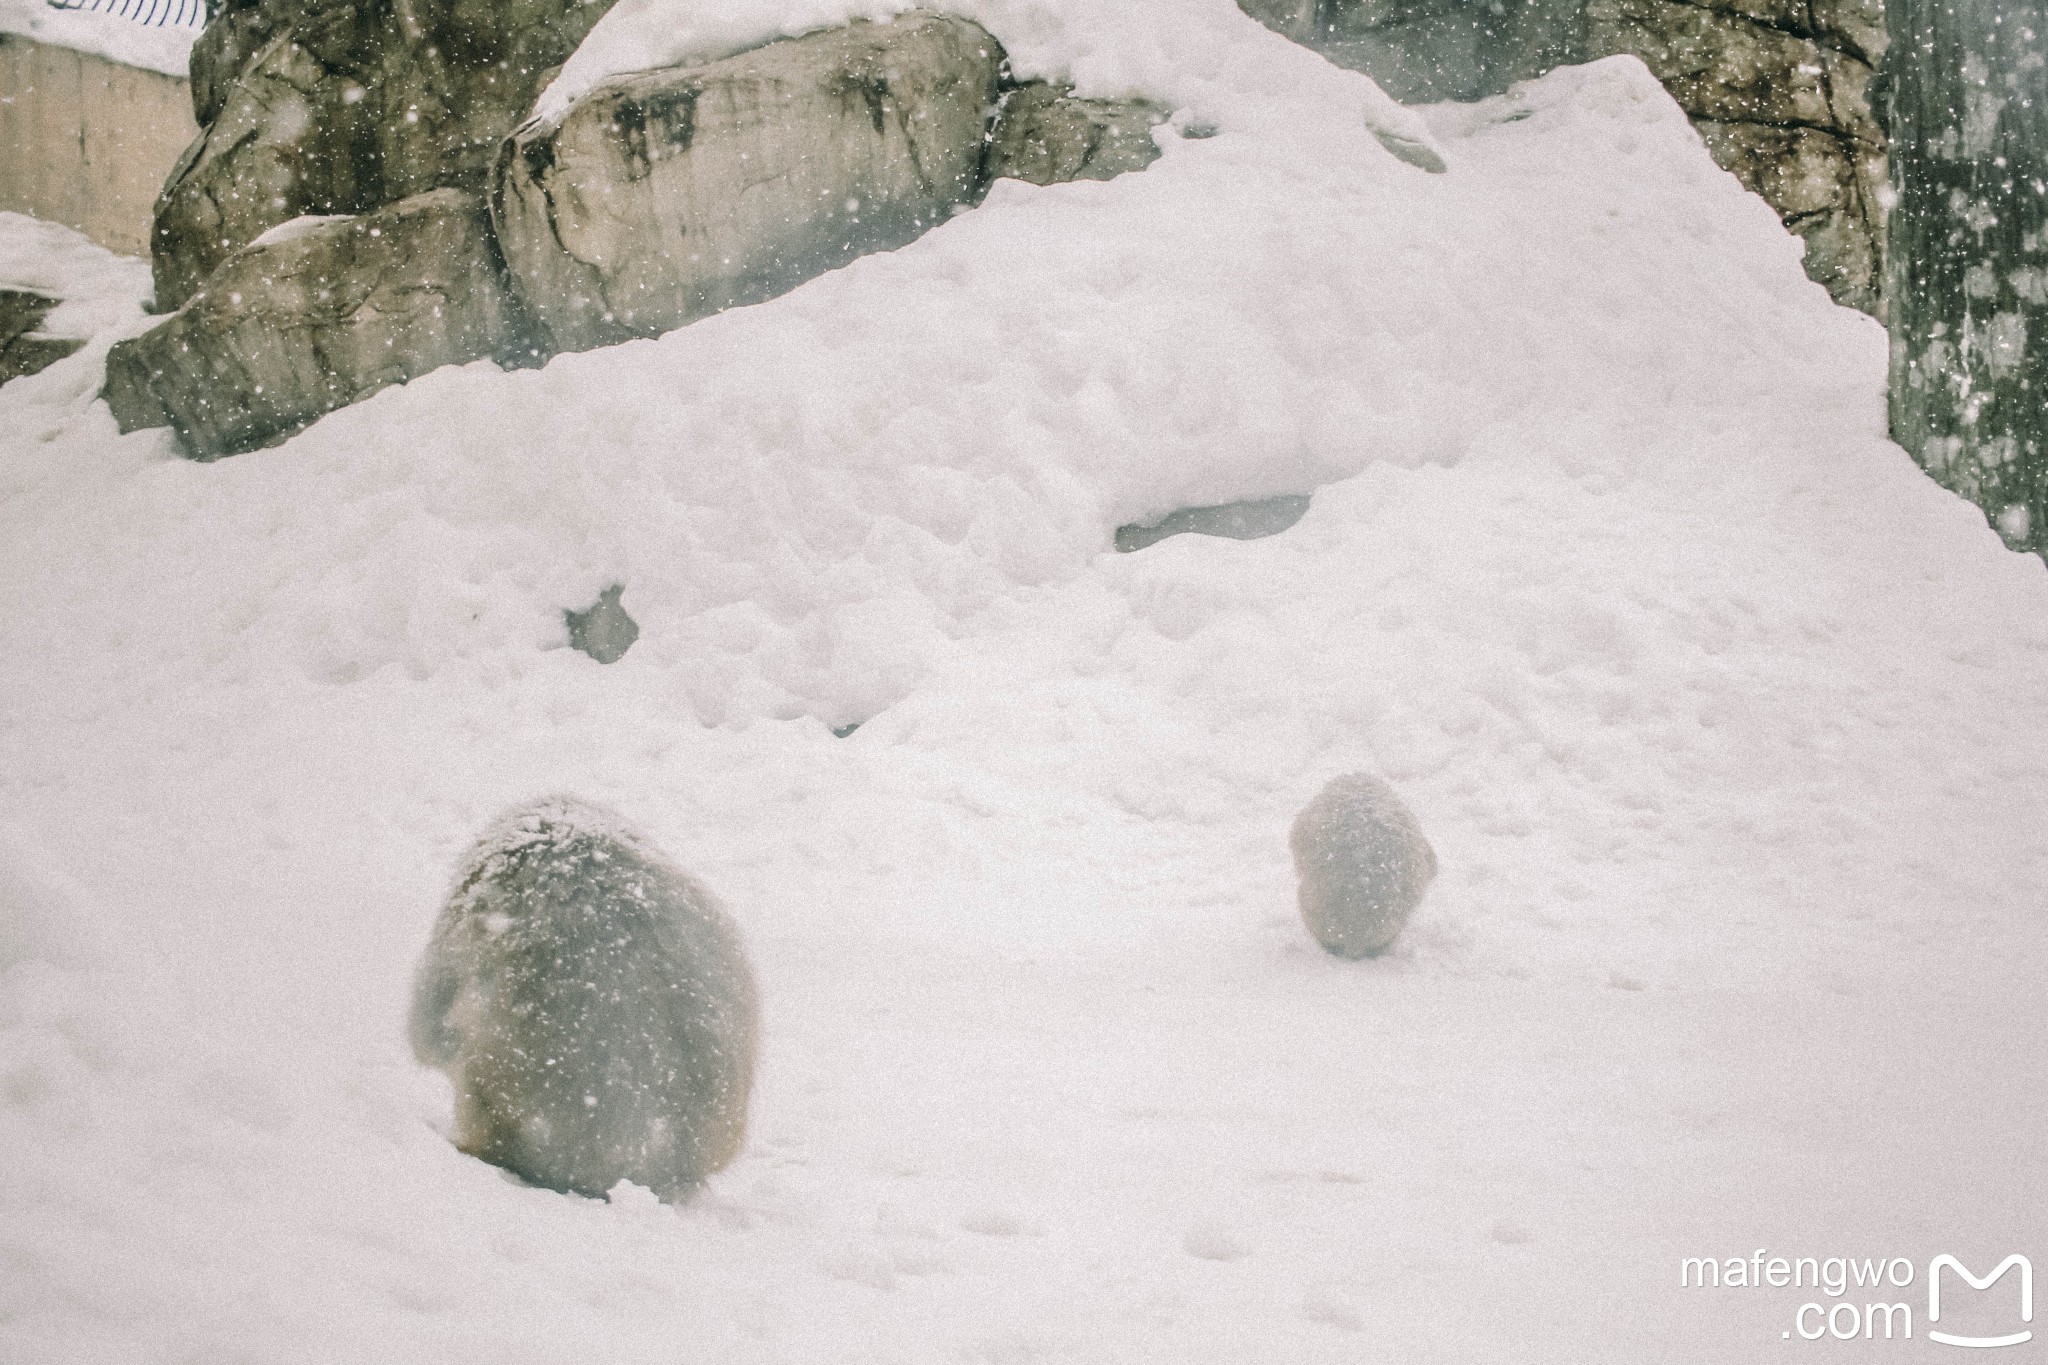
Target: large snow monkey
(592, 1005)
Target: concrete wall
(88, 142)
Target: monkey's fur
(592, 1005)
(1363, 864)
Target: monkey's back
(592, 1005)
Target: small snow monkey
(592, 1005)
(1363, 865)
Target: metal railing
(152, 13)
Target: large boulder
(665, 196)
(340, 106)
(1045, 135)
(1778, 89)
(315, 316)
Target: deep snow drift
(1724, 722)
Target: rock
(23, 349)
(663, 197)
(1044, 135)
(1301, 20)
(285, 141)
(338, 106)
(237, 30)
(1826, 187)
(1780, 95)
(308, 320)
(592, 1006)
(1235, 520)
(604, 631)
(1363, 864)
(1421, 51)
(1779, 89)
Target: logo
(1850, 1291)
(1934, 1269)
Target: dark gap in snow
(1252, 520)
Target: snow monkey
(1363, 865)
(592, 1005)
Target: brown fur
(592, 1005)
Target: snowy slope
(1725, 724)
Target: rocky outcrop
(653, 200)
(663, 197)
(311, 318)
(1779, 89)
(338, 107)
(1780, 93)
(1043, 134)
(24, 348)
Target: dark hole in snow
(1195, 129)
(842, 731)
(604, 631)
(1252, 520)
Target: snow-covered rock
(1778, 89)
(313, 319)
(341, 107)
(1045, 135)
(661, 198)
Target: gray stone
(1252, 520)
(1363, 865)
(1779, 89)
(339, 106)
(24, 350)
(1045, 135)
(603, 631)
(1826, 187)
(316, 318)
(283, 145)
(663, 197)
(1780, 95)
(592, 1006)
(1301, 20)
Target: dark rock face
(297, 326)
(23, 349)
(603, 631)
(592, 1005)
(1044, 135)
(663, 197)
(1254, 520)
(1779, 89)
(340, 106)
(1969, 253)
(1780, 92)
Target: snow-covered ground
(1726, 725)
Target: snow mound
(1723, 720)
